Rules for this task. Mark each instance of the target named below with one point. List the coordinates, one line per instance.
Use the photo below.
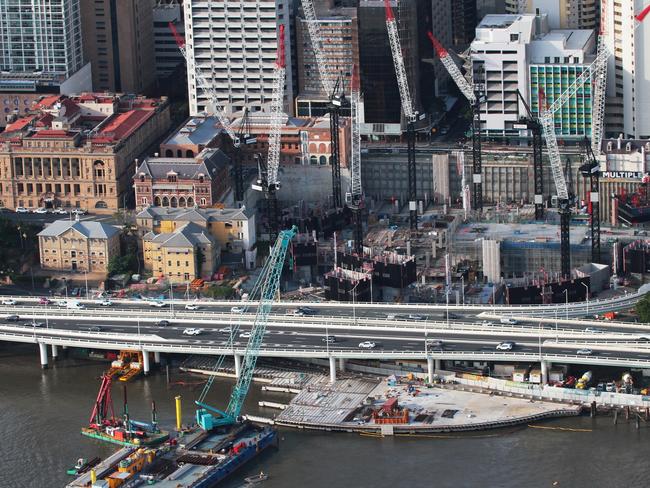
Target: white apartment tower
(40, 36)
(562, 14)
(234, 44)
(628, 75)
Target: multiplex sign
(623, 175)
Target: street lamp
(171, 298)
(447, 305)
(566, 294)
(354, 306)
(587, 292)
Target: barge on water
(197, 459)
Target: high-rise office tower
(562, 14)
(234, 45)
(628, 73)
(41, 36)
(40, 53)
(168, 56)
(118, 41)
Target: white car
(192, 332)
(584, 352)
(237, 309)
(593, 330)
(415, 316)
(78, 211)
(296, 313)
(105, 303)
(508, 321)
(191, 306)
(62, 304)
(22, 210)
(40, 210)
(505, 346)
(225, 329)
(157, 303)
(245, 335)
(60, 211)
(367, 345)
(487, 323)
(9, 302)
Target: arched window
(190, 202)
(323, 160)
(182, 202)
(141, 178)
(322, 148)
(313, 160)
(171, 177)
(203, 201)
(101, 204)
(165, 202)
(179, 153)
(98, 167)
(189, 153)
(169, 153)
(173, 202)
(156, 201)
(201, 178)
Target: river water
(41, 413)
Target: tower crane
(407, 108)
(532, 124)
(593, 72)
(335, 93)
(236, 139)
(266, 286)
(474, 95)
(356, 191)
(267, 181)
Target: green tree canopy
(643, 308)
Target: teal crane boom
(267, 285)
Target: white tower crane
(356, 191)
(407, 108)
(474, 97)
(268, 176)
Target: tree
(643, 308)
(199, 255)
(126, 264)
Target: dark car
(453, 316)
(329, 339)
(163, 323)
(307, 310)
(12, 318)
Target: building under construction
(344, 285)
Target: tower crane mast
(407, 108)
(473, 94)
(356, 192)
(268, 177)
(335, 93)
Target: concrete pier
(237, 365)
(438, 364)
(430, 369)
(55, 352)
(544, 369)
(156, 357)
(42, 348)
(341, 364)
(145, 362)
(332, 369)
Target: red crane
(103, 405)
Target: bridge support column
(42, 348)
(156, 357)
(237, 365)
(341, 364)
(544, 369)
(438, 363)
(145, 362)
(332, 369)
(55, 352)
(429, 369)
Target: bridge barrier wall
(555, 393)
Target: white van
(509, 321)
(75, 305)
